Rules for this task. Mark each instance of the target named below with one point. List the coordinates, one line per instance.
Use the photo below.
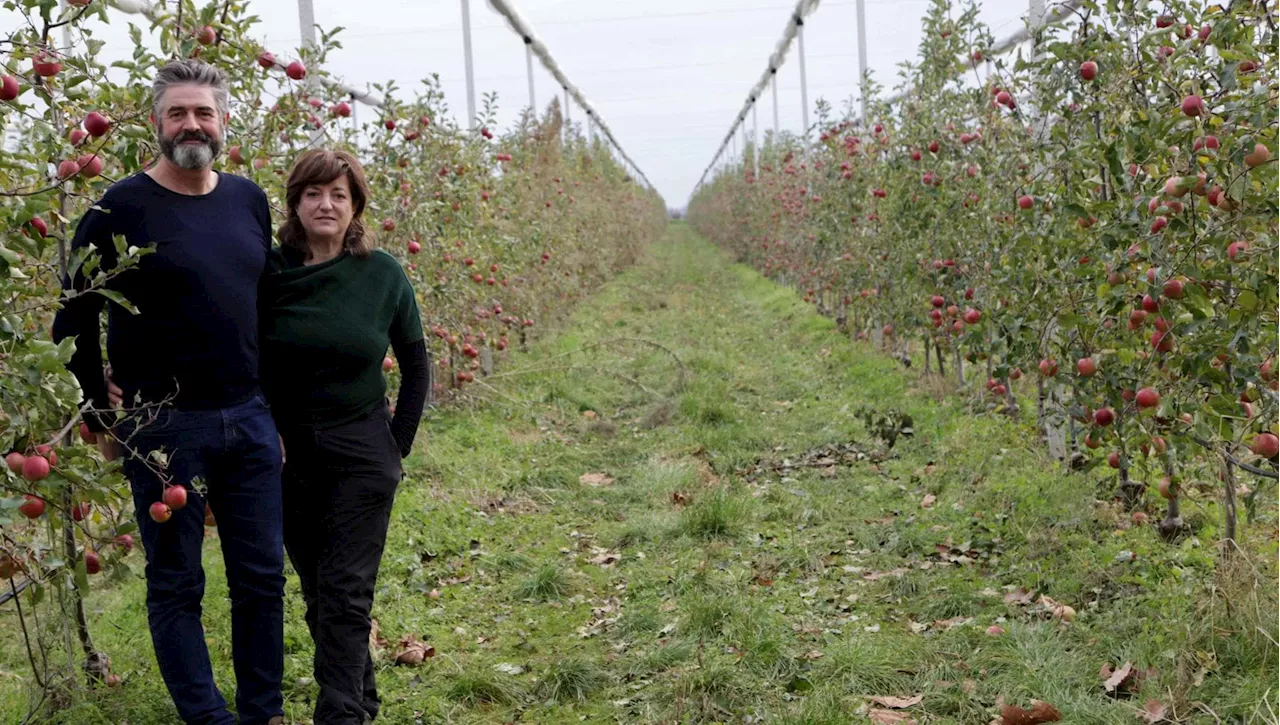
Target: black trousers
(339, 484)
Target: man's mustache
(192, 136)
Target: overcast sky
(668, 76)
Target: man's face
(189, 127)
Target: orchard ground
(674, 510)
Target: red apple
(1088, 70)
(1193, 105)
(388, 225)
(1026, 202)
(80, 512)
(46, 64)
(14, 461)
(1173, 289)
(160, 512)
(296, 70)
(342, 109)
(972, 316)
(33, 507)
(414, 247)
(937, 301)
(35, 468)
(1260, 155)
(67, 169)
(125, 542)
(1086, 366)
(206, 35)
(266, 60)
(1236, 250)
(175, 497)
(92, 563)
(90, 165)
(1266, 445)
(1104, 417)
(9, 88)
(387, 364)
(1113, 459)
(1150, 304)
(1148, 398)
(1048, 368)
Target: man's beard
(191, 156)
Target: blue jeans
(235, 453)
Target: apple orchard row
(1102, 215)
(497, 231)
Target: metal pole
(774, 83)
(755, 135)
(566, 115)
(804, 84)
(528, 64)
(466, 57)
(307, 23)
(862, 55)
(1037, 19)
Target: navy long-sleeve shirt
(195, 337)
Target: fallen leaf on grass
(897, 702)
(1117, 677)
(595, 479)
(1153, 713)
(812, 654)
(413, 651)
(889, 717)
(606, 559)
(1019, 596)
(874, 575)
(680, 499)
(952, 623)
(928, 501)
(1040, 712)
(507, 668)
(376, 642)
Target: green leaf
(1248, 300)
(117, 298)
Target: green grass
(787, 596)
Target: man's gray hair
(190, 71)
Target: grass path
(682, 507)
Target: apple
(296, 70)
(14, 461)
(1104, 417)
(160, 512)
(46, 64)
(342, 109)
(80, 512)
(1088, 70)
(1236, 250)
(9, 88)
(90, 165)
(387, 364)
(1150, 304)
(208, 516)
(390, 124)
(1173, 289)
(995, 630)
(414, 247)
(175, 497)
(1148, 398)
(888, 330)
(1173, 187)
(937, 301)
(1164, 21)
(206, 35)
(1026, 202)
(267, 60)
(1048, 368)
(1193, 105)
(39, 226)
(92, 563)
(33, 507)
(67, 169)
(972, 316)
(1113, 459)
(1266, 445)
(915, 153)
(388, 225)
(1086, 366)
(236, 155)
(1246, 66)
(125, 541)
(1162, 341)
(1260, 155)
(933, 147)
(35, 468)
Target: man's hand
(108, 446)
(115, 396)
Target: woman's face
(325, 211)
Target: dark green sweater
(325, 331)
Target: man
(187, 363)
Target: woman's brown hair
(316, 168)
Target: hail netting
(151, 12)
(803, 9)
(524, 29)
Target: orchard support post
(804, 84)
(470, 70)
(774, 85)
(755, 135)
(528, 63)
(862, 60)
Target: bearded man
(187, 361)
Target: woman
(331, 306)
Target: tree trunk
(1229, 508)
